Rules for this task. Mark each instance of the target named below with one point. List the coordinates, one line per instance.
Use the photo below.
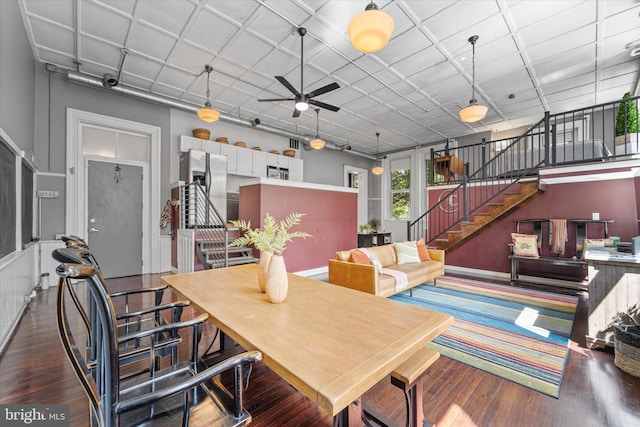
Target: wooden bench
(577, 261)
(408, 378)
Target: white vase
(277, 282)
(265, 259)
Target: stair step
(233, 261)
(230, 250)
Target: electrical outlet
(595, 216)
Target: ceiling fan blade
(289, 86)
(323, 105)
(276, 99)
(324, 89)
(296, 113)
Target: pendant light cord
(473, 40)
(317, 123)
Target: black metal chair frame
(113, 400)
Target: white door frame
(363, 190)
(76, 181)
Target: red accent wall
(330, 217)
(613, 199)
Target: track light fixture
(207, 113)
(378, 169)
(474, 111)
(317, 143)
(370, 31)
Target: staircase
(215, 253)
(210, 229)
(496, 211)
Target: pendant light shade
(474, 111)
(317, 143)
(207, 113)
(378, 169)
(370, 30)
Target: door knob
(93, 230)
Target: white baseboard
(312, 272)
(496, 275)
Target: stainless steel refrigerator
(209, 171)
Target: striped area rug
(518, 334)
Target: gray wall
(16, 78)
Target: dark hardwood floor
(594, 392)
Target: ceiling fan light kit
(302, 100)
(207, 113)
(474, 112)
(317, 143)
(370, 31)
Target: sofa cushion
(358, 257)
(407, 252)
(386, 254)
(423, 252)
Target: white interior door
(114, 212)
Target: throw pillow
(525, 245)
(358, 257)
(423, 253)
(377, 265)
(407, 252)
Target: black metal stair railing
(602, 132)
(211, 230)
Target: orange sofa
(367, 278)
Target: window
(400, 188)
(7, 200)
(27, 204)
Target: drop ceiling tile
(172, 77)
(457, 18)
(419, 61)
(424, 10)
(103, 23)
(137, 81)
(59, 59)
(247, 50)
(328, 60)
(439, 72)
(211, 32)
(620, 20)
(342, 96)
(54, 37)
(170, 15)
(552, 69)
(387, 77)
(59, 11)
(276, 63)
(370, 85)
(558, 24)
(403, 45)
(100, 53)
(563, 43)
(159, 49)
(192, 57)
(626, 42)
(351, 73)
(527, 13)
(123, 6)
(232, 96)
(263, 24)
(256, 80)
(625, 80)
(232, 10)
(291, 12)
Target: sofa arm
(436, 254)
(360, 277)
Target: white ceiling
(552, 55)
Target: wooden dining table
(329, 342)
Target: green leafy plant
(627, 118)
(273, 236)
(375, 224)
(365, 228)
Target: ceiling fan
(301, 99)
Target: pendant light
(474, 111)
(378, 169)
(207, 113)
(317, 143)
(370, 30)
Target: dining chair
(128, 322)
(188, 392)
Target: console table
(373, 239)
(614, 287)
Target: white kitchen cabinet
(295, 169)
(231, 152)
(259, 163)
